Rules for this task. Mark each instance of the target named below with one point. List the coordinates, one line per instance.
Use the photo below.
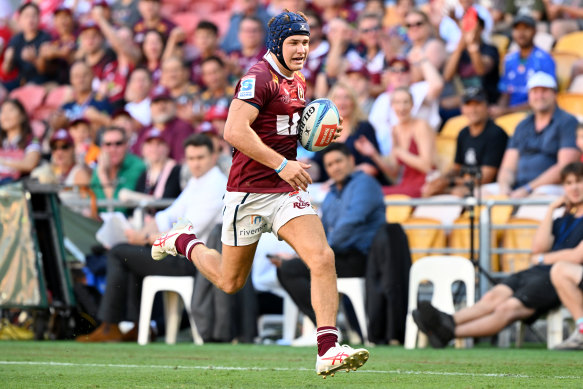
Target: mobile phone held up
(470, 19)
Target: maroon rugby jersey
(280, 102)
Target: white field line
(176, 367)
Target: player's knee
(231, 286)
(322, 261)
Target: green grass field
(184, 365)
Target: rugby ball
(318, 124)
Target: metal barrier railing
(484, 226)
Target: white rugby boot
(166, 244)
(340, 357)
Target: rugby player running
(266, 190)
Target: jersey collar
(272, 63)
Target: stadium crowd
(105, 94)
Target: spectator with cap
(519, 66)
(85, 102)
(23, 48)
(122, 118)
(357, 78)
(173, 129)
(56, 56)
(175, 79)
(116, 167)
(94, 52)
(151, 19)
(425, 100)
(137, 96)
(21, 150)
(161, 179)
(479, 150)
(542, 144)
(217, 116)
(86, 151)
(252, 40)
(63, 169)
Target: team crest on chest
(301, 93)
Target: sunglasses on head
(416, 24)
(65, 146)
(366, 30)
(116, 144)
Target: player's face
(199, 160)
(338, 166)
(295, 51)
(573, 186)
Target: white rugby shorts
(247, 215)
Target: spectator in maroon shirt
(218, 91)
(56, 56)
(252, 39)
(151, 19)
(176, 79)
(206, 44)
(174, 130)
(93, 51)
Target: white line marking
(176, 367)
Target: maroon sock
(327, 338)
(182, 243)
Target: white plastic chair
(354, 289)
(173, 287)
(555, 320)
(442, 271)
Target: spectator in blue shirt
(519, 66)
(542, 144)
(352, 212)
(247, 8)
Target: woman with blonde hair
(413, 153)
(355, 125)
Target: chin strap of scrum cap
(285, 25)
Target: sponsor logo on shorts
(247, 89)
(294, 193)
(253, 231)
(301, 204)
(326, 135)
(255, 219)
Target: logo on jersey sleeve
(247, 90)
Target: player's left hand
(339, 128)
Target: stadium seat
(442, 271)
(173, 287)
(398, 213)
(501, 42)
(31, 96)
(518, 237)
(570, 43)
(446, 214)
(222, 20)
(424, 234)
(555, 319)
(572, 103)
(564, 66)
(288, 320)
(187, 21)
(354, 289)
(445, 148)
(54, 99)
(509, 121)
(452, 127)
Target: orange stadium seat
(431, 237)
(571, 102)
(398, 213)
(509, 121)
(31, 96)
(453, 126)
(518, 238)
(187, 21)
(564, 65)
(53, 101)
(222, 20)
(570, 43)
(445, 152)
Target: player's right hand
(294, 173)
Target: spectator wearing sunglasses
(116, 167)
(63, 169)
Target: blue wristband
(528, 188)
(283, 164)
